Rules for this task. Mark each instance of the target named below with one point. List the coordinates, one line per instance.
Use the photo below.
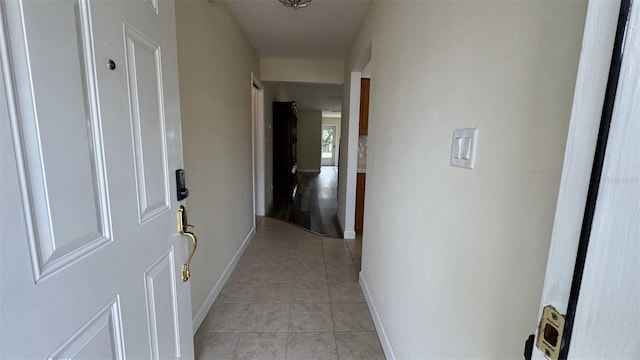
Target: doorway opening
(316, 145)
(328, 157)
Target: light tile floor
(293, 295)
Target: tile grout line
(235, 351)
(241, 334)
(286, 344)
(333, 323)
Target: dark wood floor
(315, 204)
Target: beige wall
(215, 63)
(309, 139)
(330, 72)
(453, 259)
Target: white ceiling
(322, 31)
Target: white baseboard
(211, 298)
(345, 234)
(349, 234)
(382, 334)
(309, 170)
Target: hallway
(315, 204)
(293, 295)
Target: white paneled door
(90, 133)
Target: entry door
(602, 301)
(328, 146)
(90, 137)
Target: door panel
(153, 4)
(101, 336)
(69, 215)
(90, 252)
(160, 284)
(144, 76)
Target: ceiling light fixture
(296, 4)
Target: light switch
(463, 149)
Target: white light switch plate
(463, 149)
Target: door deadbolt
(181, 186)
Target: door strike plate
(550, 332)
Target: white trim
(258, 146)
(349, 234)
(345, 234)
(211, 298)
(377, 321)
(256, 82)
(352, 155)
(254, 190)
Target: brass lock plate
(550, 332)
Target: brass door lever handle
(183, 230)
